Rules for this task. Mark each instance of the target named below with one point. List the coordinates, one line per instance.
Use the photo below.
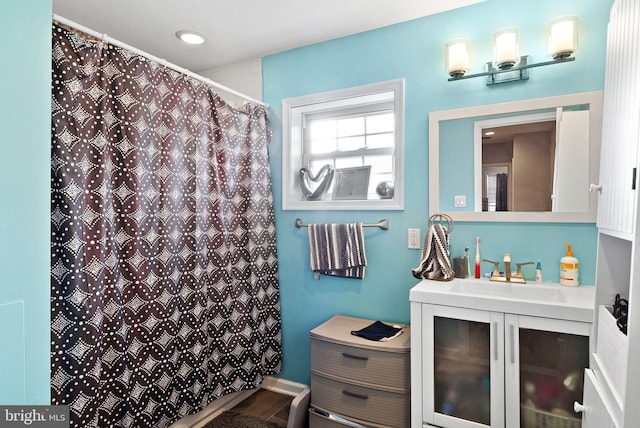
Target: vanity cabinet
(490, 354)
(613, 397)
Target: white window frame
(294, 111)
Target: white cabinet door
(570, 184)
(545, 361)
(477, 369)
(595, 413)
(463, 367)
(621, 120)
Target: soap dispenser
(569, 269)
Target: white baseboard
(283, 386)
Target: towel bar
(382, 224)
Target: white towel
(337, 250)
(435, 263)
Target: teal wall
(25, 121)
(415, 51)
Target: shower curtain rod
(162, 61)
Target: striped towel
(337, 250)
(435, 263)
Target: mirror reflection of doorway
(547, 158)
(496, 190)
(527, 150)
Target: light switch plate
(414, 239)
(460, 201)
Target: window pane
(379, 178)
(380, 123)
(380, 141)
(349, 162)
(322, 129)
(380, 164)
(351, 143)
(317, 164)
(351, 126)
(322, 146)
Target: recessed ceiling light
(489, 133)
(190, 37)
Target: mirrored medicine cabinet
(523, 161)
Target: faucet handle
(518, 273)
(496, 267)
(524, 264)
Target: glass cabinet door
(465, 381)
(547, 362)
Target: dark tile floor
(267, 405)
(263, 408)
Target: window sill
(329, 205)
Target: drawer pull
(495, 341)
(355, 394)
(355, 357)
(513, 344)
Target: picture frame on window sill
(351, 183)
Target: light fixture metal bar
(518, 73)
(494, 71)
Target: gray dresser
(358, 380)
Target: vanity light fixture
(505, 48)
(563, 37)
(457, 58)
(190, 37)
(508, 65)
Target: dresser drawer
(367, 404)
(368, 367)
(330, 420)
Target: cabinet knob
(578, 407)
(595, 188)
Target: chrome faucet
(507, 276)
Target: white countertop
(550, 300)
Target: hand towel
(337, 250)
(435, 263)
(378, 331)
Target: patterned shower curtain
(164, 280)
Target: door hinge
(633, 182)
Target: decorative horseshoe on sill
(323, 180)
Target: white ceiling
(238, 30)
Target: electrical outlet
(414, 239)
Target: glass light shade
(563, 37)
(457, 58)
(505, 48)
